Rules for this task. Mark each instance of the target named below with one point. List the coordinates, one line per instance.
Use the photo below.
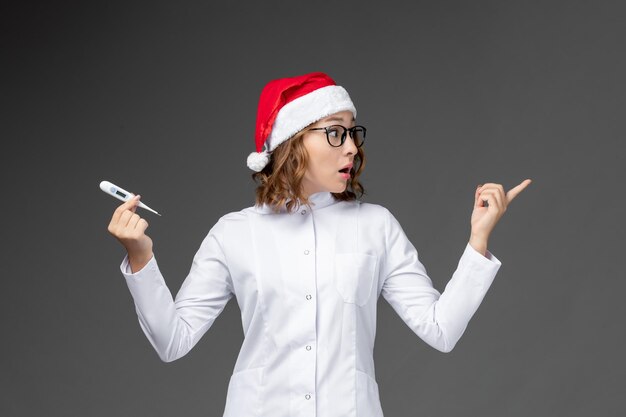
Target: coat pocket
(354, 275)
(243, 396)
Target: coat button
(308, 296)
(308, 397)
(306, 252)
(303, 212)
(308, 348)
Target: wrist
(138, 260)
(479, 243)
(481, 235)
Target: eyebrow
(335, 118)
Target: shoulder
(373, 211)
(381, 216)
(375, 216)
(235, 216)
(229, 221)
(230, 228)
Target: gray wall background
(160, 98)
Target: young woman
(307, 264)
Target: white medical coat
(307, 284)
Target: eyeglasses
(336, 134)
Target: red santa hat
(287, 105)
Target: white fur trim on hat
(301, 112)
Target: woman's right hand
(128, 227)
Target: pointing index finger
(513, 192)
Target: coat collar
(318, 200)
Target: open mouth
(345, 170)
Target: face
(325, 161)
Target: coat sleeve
(174, 327)
(438, 319)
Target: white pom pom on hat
(258, 160)
(288, 105)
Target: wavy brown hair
(281, 179)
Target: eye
(333, 132)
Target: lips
(346, 168)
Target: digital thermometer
(121, 194)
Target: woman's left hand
(484, 218)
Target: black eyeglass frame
(344, 134)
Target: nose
(348, 144)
